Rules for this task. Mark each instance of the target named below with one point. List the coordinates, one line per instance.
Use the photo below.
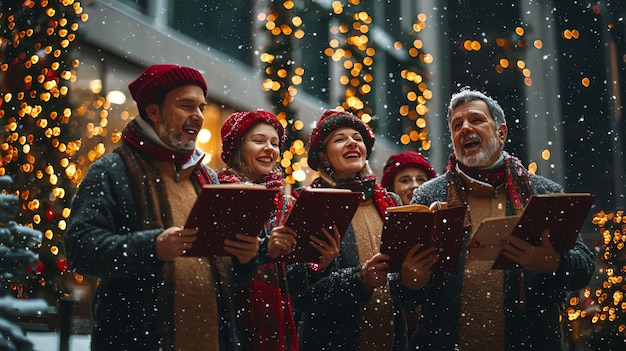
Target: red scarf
(512, 172)
(272, 180)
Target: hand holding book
(318, 216)
(329, 248)
(282, 241)
(417, 266)
(562, 214)
(540, 259)
(222, 211)
(405, 226)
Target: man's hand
(244, 248)
(539, 259)
(174, 242)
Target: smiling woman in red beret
(251, 143)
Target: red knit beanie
(239, 123)
(157, 80)
(330, 121)
(407, 159)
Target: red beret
(330, 121)
(402, 160)
(157, 80)
(239, 123)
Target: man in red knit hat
(126, 227)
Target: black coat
(329, 302)
(133, 306)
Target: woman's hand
(329, 248)
(282, 241)
(244, 248)
(374, 271)
(417, 268)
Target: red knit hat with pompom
(330, 121)
(239, 123)
(407, 159)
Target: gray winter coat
(536, 326)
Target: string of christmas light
(417, 92)
(352, 47)
(282, 76)
(36, 137)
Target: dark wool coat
(536, 326)
(133, 305)
(329, 301)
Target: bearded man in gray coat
(475, 306)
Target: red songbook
(318, 208)
(223, 210)
(562, 213)
(405, 226)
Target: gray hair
(466, 94)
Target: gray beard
(491, 148)
(168, 133)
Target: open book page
(485, 245)
(409, 208)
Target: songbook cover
(317, 208)
(405, 226)
(562, 213)
(223, 210)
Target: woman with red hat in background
(251, 144)
(405, 172)
(354, 304)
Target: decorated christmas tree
(37, 135)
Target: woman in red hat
(251, 143)
(354, 304)
(405, 172)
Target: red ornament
(50, 215)
(62, 265)
(40, 267)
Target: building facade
(557, 70)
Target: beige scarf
(377, 331)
